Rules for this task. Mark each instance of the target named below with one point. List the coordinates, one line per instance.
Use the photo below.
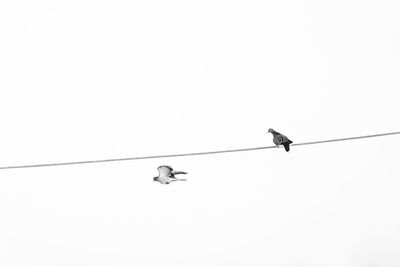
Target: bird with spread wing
(166, 175)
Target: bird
(280, 139)
(166, 175)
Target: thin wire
(190, 154)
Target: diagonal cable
(190, 154)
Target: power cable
(189, 154)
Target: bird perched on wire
(280, 139)
(166, 175)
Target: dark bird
(280, 139)
(166, 175)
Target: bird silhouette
(280, 139)
(166, 175)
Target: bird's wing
(164, 171)
(178, 172)
(282, 138)
(176, 179)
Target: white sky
(85, 80)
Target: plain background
(84, 80)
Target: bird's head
(270, 130)
(155, 179)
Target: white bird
(280, 139)
(166, 175)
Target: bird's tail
(177, 179)
(287, 146)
